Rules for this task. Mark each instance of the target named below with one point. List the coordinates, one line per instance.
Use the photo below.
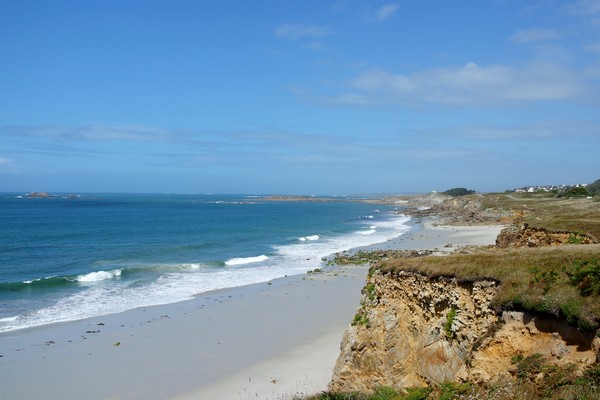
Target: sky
(298, 97)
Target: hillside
(517, 320)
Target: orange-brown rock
(415, 330)
(526, 236)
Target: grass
(545, 210)
(563, 281)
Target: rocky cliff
(526, 236)
(414, 330)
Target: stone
(406, 344)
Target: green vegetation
(594, 188)
(371, 291)
(458, 192)
(578, 191)
(448, 324)
(545, 210)
(362, 257)
(361, 319)
(585, 275)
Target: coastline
(264, 341)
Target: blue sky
(298, 97)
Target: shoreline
(264, 341)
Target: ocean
(73, 257)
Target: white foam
(368, 232)
(245, 260)
(191, 266)
(191, 279)
(312, 237)
(99, 276)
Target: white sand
(265, 341)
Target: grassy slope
(543, 210)
(544, 279)
(562, 281)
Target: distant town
(548, 188)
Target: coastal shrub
(421, 393)
(530, 366)
(455, 192)
(449, 321)
(450, 390)
(578, 191)
(371, 291)
(571, 310)
(361, 319)
(585, 275)
(594, 188)
(385, 393)
(517, 358)
(576, 238)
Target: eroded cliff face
(525, 236)
(412, 330)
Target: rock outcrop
(413, 330)
(463, 210)
(526, 236)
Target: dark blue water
(69, 258)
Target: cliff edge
(413, 330)
(526, 309)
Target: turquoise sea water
(66, 258)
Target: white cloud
(535, 35)
(302, 31)
(386, 11)
(8, 166)
(583, 7)
(593, 47)
(470, 84)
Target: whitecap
(312, 237)
(191, 266)
(245, 260)
(369, 232)
(99, 276)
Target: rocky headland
(481, 320)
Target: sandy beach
(265, 341)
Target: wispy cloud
(583, 7)
(87, 133)
(8, 165)
(468, 85)
(535, 35)
(386, 11)
(593, 47)
(303, 31)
